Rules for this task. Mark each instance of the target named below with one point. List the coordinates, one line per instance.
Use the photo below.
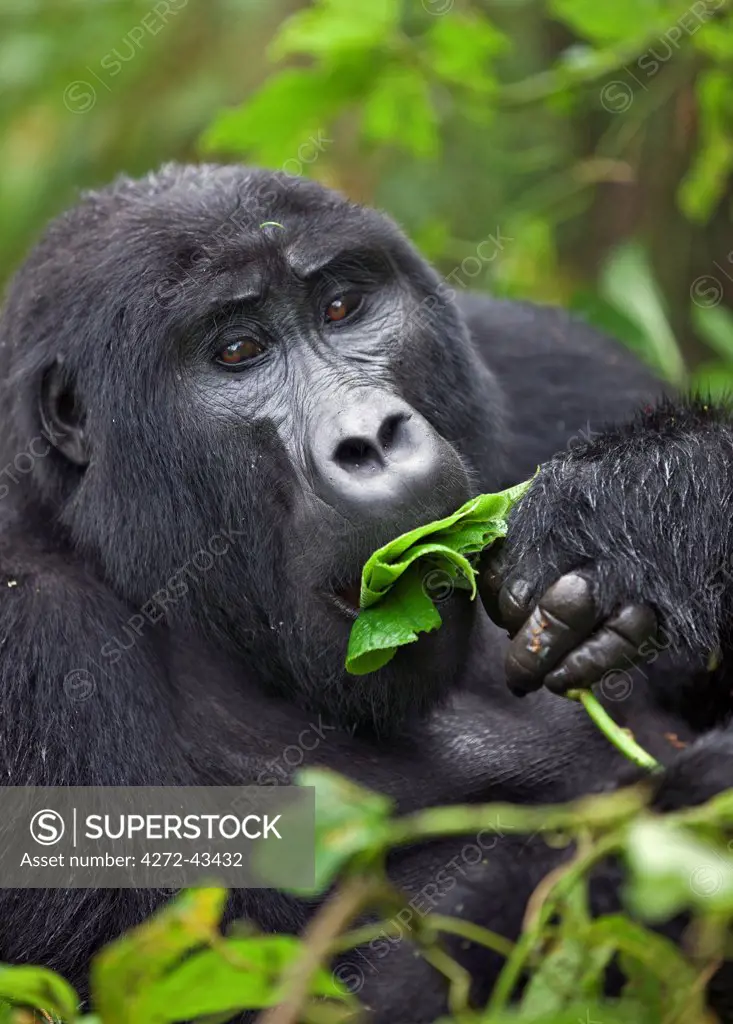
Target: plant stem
(597, 813)
(614, 733)
(329, 922)
(472, 932)
(566, 877)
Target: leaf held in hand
(396, 605)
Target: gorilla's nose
(379, 456)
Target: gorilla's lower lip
(346, 599)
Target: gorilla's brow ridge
(307, 265)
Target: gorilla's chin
(419, 677)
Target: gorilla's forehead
(232, 214)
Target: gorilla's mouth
(346, 598)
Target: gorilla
(232, 363)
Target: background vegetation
(567, 151)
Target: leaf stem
(613, 732)
(563, 881)
(472, 932)
(328, 923)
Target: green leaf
(281, 116)
(460, 49)
(713, 380)
(40, 989)
(393, 615)
(144, 955)
(577, 1013)
(239, 974)
(715, 325)
(350, 820)
(672, 870)
(611, 23)
(563, 974)
(336, 27)
(574, 966)
(627, 282)
(658, 956)
(716, 37)
(643, 992)
(394, 622)
(399, 110)
(705, 183)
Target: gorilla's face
(281, 370)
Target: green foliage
(396, 601)
(452, 116)
(364, 57)
(178, 965)
(705, 184)
(595, 137)
(605, 24)
(35, 986)
(350, 821)
(627, 283)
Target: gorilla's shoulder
(559, 375)
(546, 332)
(41, 580)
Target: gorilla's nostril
(355, 453)
(389, 432)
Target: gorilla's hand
(564, 640)
(624, 534)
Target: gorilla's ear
(62, 418)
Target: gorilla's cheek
(419, 674)
(440, 655)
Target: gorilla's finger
(613, 647)
(507, 598)
(492, 574)
(564, 617)
(515, 603)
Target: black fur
(204, 675)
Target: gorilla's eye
(340, 307)
(239, 351)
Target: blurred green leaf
(332, 28)
(568, 970)
(705, 184)
(289, 109)
(460, 49)
(350, 820)
(658, 957)
(717, 39)
(672, 870)
(627, 283)
(144, 955)
(573, 966)
(577, 1013)
(611, 23)
(714, 324)
(239, 974)
(39, 988)
(398, 110)
(713, 380)
(643, 992)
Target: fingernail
(557, 681)
(521, 591)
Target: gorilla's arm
(636, 519)
(64, 722)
